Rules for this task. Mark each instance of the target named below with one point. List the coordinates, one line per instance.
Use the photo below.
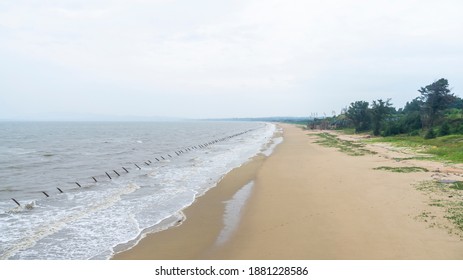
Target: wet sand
(310, 202)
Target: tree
(444, 129)
(379, 111)
(435, 97)
(457, 103)
(359, 114)
(413, 106)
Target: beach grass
(447, 148)
(457, 186)
(455, 214)
(446, 196)
(404, 169)
(348, 130)
(348, 147)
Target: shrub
(444, 129)
(430, 134)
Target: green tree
(457, 103)
(435, 97)
(380, 110)
(413, 106)
(444, 129)
(359, 114)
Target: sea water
(87, 188)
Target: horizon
(109, 118)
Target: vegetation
(457, 186)
(436, 112)
(380, 110)
(432, 122)
(359, 114)
(447, 148)
(405, 169)
(447, 196)
(348, 147)
(436, 97)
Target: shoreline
(309, 202)
(203, 222)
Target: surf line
(179, 153)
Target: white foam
(38, 233)
(87, 222)
(273, 144)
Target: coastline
(309, 202)
(195, 237)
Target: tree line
(435, 112)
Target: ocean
(85, 190)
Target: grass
(447, 148)
(426, 216)
(457, 186)
(447, 196)
(406, 169)
(455, 215)
(424, 157)
(348, 147)
(349, 131)
(437, 203)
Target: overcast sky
(210, 58)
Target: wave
(44, 230)
(91, 221)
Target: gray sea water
(85, 189)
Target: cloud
(324, 53)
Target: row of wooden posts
(149, 162)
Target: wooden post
(78, 185)
(45, 194)
(108, 176)
(60, 190)
(15, 201)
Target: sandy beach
(313, 202)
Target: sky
(221, 59)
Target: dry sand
(311, 202)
